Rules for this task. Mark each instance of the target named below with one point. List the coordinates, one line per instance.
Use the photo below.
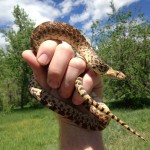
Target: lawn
(31, 129)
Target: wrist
(73, 137)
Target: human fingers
(38, 70)
(91, 83)
(42, 58)
(46, 51)
(76, 67)
(59, 64)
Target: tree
(124, 42)
(16, 80)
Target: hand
(56, 67)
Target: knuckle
(66, 48)
(89, 82)
(46, 45)
(54, 73)
(78, 63)
(53, 79)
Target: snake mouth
(120, 75)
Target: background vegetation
(122, 40)
(15, 73)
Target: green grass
(31, 129)
(118, 138)
(28, 130)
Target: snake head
(115, 74)
(120, 75)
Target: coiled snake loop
(101, 117)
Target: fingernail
(43, 59)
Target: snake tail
(119, 121)
(97, 105)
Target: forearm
(61, 75)
(75, 138)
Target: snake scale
(100, 113)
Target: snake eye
(117, 74)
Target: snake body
(52, 30)
(69, 111)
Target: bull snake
(52, 30)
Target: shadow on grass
(134, 103)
